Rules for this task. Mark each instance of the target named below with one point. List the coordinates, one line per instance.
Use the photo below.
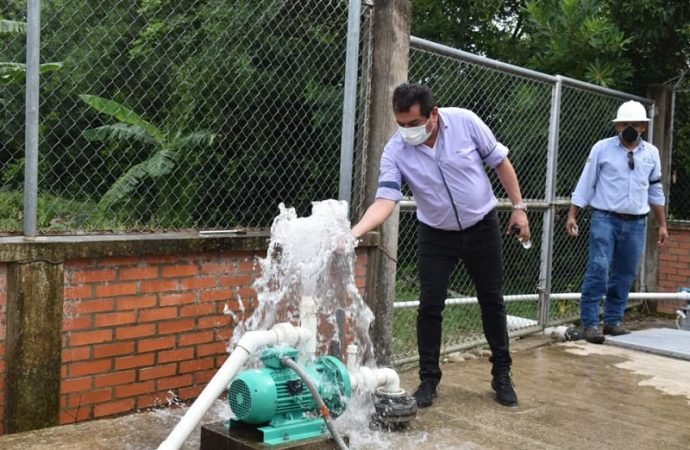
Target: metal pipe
(546, 261)
(602, 90)
(423, 44)
(33, 42)
(679, 296)
(347, 143)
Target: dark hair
(407, 95)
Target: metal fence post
(33, 39)
(549, 214)
(349, 101)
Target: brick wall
(146, 332)
(3, 328)
(674, 265)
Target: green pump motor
(278, 402)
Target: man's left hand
(519, 219)
(662, 236)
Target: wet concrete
(572, 396)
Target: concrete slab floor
(572, 396)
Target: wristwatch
(521, 206)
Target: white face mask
(415, 135)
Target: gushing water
(312, 256)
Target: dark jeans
(438, 253)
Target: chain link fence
(167, 115)
(517, 105)
(679, 201)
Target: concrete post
(391, 44)
(34, 344)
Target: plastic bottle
(525, 244)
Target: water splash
(312, 256)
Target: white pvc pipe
(369, 380)
(681, 296)
(248, 344)
(309, 321)
(515, 322)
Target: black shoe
(594, 335)
(426, 393)
(615, 329)
(505, 391)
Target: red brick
(248, 266)
(179, 271)
(74, 354)
(190, 392)
(89, 397)
(77, 369)
(132, 390)
(211, 268)
(78, 292)
(128, 362)
(150, 345)
(176, 326)
(116, 289)
(135, 331)
(76, 323)
(175, 355)
(174, 382)
(195, 338)
(197, 365)
(138, 273)
(90, 337)
(150, 373)
(93, 306)
(214, 321)
(198, 310)
(108, 409)
(75, 385)
(113, 319)
(211, 349)
(157, 314)
(236, 280)
(177, 299)
(188, 284)
(113, 379)
(159, 286)
(92, 276)
(203, 377)
(75, 415)
(217, 294)
(156, 399)
(140, 301)
(118, 348)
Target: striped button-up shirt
(607, 182)
(449, 182)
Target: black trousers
(438, 253)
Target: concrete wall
(142, 320)
(674, 264)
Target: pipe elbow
(389, 381)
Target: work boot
(426, 393)
(594, 335)
(615, 329)
(504, 388)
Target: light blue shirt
(449, 183)
(608, 183)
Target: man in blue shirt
(440, 153)
(621, 181)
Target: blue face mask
(415, 135)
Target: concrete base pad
(216, 436)
(661, 341)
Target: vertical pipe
(550, 213)
(347, 143)
(33, 39)
(642, 266)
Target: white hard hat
(631, 111)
